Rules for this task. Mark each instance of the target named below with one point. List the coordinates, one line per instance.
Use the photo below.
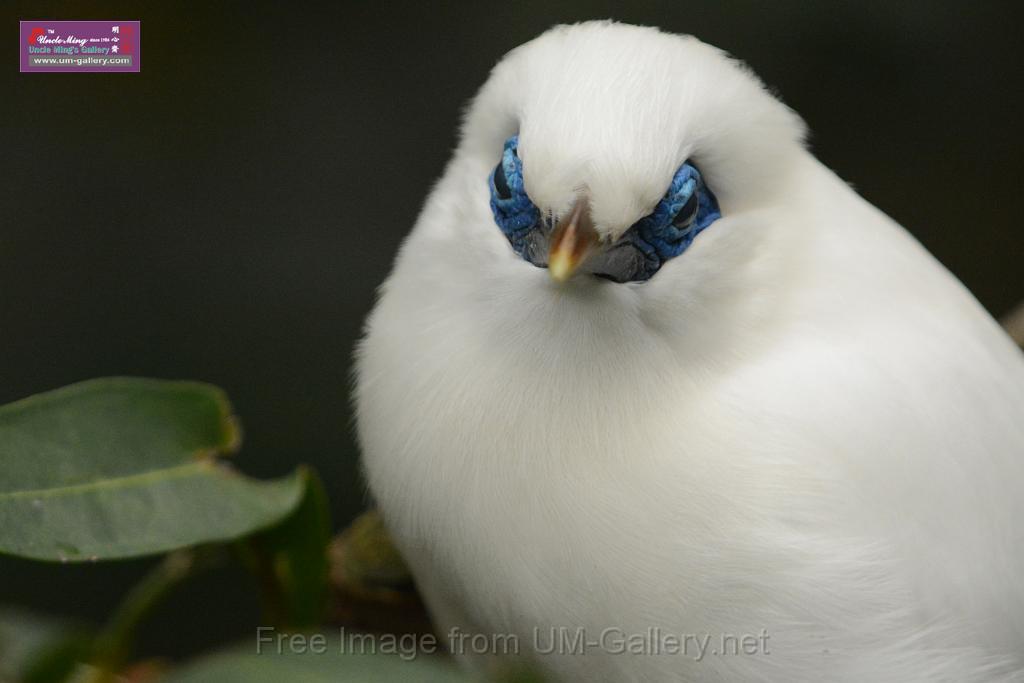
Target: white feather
(803, 424)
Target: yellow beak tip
(560, 269)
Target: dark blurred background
(226, 214)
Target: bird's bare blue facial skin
(687, 208)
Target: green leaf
(310, 666)
(291, 560)
(120, 467)
(366, 558)
(36, 649)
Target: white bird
(795, 427)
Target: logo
(87, 46)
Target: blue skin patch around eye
(657, 236)
(514, 213)
(654, 239)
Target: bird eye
(517, 216)
(684, 217)
(501, 182)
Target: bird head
(606, 149)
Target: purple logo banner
(94, 46)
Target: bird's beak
(573, 240)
